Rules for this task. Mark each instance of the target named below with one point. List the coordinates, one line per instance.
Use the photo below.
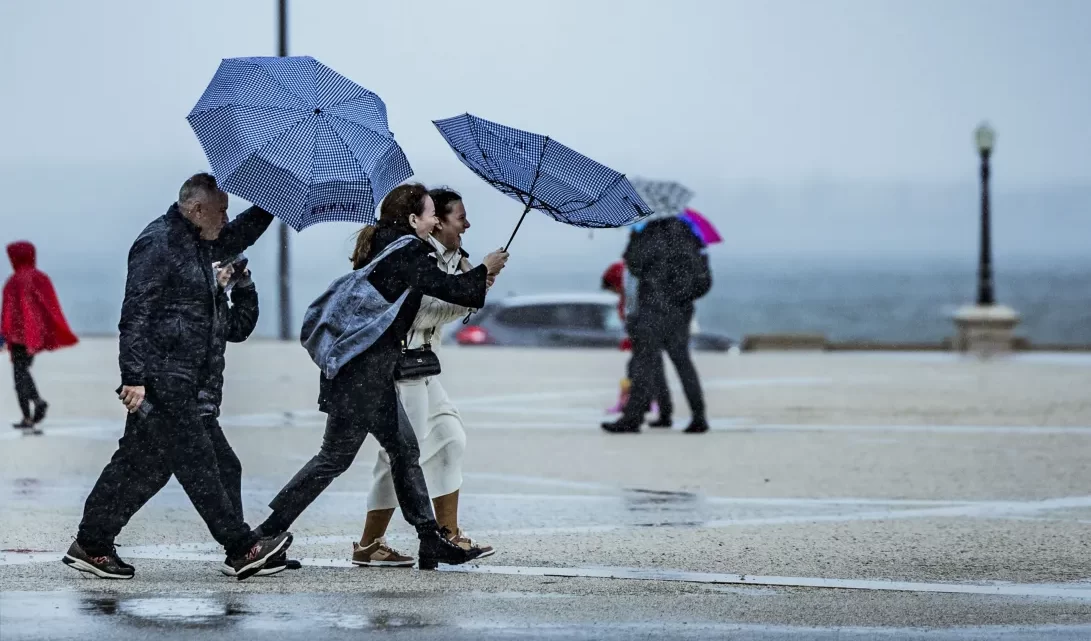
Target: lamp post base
(985, 329)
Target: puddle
(308, 617)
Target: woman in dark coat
(360, 397)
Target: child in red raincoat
(31, 322)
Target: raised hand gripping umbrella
(298, 139)
(543, 174)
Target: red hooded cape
(614, 280)
(32, 315)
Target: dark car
(559, 320)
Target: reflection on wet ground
(77, 615)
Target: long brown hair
(394, 213)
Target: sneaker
(259, 555)
(275, 565)
(621, 426)
(40, 408)
(24, 424)
(436, 547)
(697, 426)
(380, 555)
(466, 543)
(109, 566)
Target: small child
(617, 279)
(31, 322)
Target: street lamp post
(985, 327)
(985, 138)
(284, 273)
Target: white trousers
(442, 440)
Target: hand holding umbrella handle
(494, 262)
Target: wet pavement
(837, 497)
(80, 615)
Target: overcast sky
(840, 124)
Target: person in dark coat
(361, 397)
(236, 318)
(168, 319)
(671, 269)
(31, 322)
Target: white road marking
(1080, 591)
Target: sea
(904, 299)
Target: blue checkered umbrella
(298, 139)
(543, 174)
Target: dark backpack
(702, 275)
(693, 275)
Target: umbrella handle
(525, 212)
(530, 202)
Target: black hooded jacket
(661, 257)
(169, 314)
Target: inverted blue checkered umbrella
(298, 139)
(543, 174)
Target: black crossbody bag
(417, 363)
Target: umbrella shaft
(525, 211)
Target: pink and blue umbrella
(701, 227)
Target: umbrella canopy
(298, 139)
(701, 227)
(665, 197)
(543, 174)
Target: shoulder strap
(398, 243)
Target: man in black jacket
(671, 269)
(168, 324)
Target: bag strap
(427, 341)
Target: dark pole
(282, 254)
(985, 266)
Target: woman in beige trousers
(434, 417)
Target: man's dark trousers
(651, 336)
(173, 439)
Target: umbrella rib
(587, 205)
(279, 83)
(367, 92)
(537, 174)
(348, 149)
(269, 143)
(305, 111)
(358, 124)
(484, 156)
